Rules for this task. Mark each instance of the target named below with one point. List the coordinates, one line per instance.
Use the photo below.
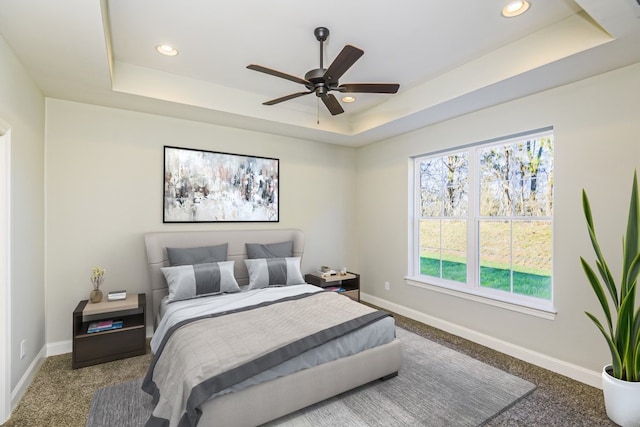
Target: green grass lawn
(529, 284)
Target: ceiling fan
(321, 81)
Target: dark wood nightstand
(99, 347)
(349, 282)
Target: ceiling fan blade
(345, 59)
(332, 104)
(286, 98)
(369, 87)
(276, 73)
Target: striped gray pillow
(265, 272)
(189, 281)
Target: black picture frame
(213, 186)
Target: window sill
(541, 311)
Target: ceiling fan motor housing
(315, 76)
(317, 83)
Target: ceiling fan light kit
(322, 80)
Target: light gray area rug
(436, 387)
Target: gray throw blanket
(203, 356)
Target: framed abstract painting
(210, 186)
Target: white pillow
(265, 272)
(189, 281)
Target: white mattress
(373, 335)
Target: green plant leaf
(635, 334)
(599, 291)
(634, 272)
(605, 272)
(630, 242)
(636, 351)
(608, 280)
(633, 364)
(616, 361)
(623, 338)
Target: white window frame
(471, 290)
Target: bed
(287, 386)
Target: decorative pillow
(265, 272)
(189, 281)
(204, 254)
(270, 250)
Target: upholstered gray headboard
(157, 258)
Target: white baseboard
(60, 347)
(570, 370)
(27, 378)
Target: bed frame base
(388, 377)
(271, 400)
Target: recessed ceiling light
(515, 8)
(165, 49)
(348, 99)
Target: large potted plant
(620, 379)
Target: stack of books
(117, 295)
(335, 289)
(104, 325)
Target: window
(483, 220)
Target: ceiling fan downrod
(321, 34)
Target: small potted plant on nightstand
(97, 277)
(620, 379)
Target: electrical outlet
(387, 286)
(23, 348)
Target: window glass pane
(495, 255)
(430, 247)
(495, 172)
(431, 187)
(456, 182)
(532, 258)
(517, 179)
(443, 249)
(531, 180)
(454, 250)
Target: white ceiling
(450, 57)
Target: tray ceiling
(450, 57)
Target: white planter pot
(621, 399)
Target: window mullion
(472, 223)
(511, 255)
(417, 216)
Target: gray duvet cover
(200, 357)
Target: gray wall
(597, 127)
(104, 181)
(22, 109)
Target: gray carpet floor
(61, 396)
(437, 386)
